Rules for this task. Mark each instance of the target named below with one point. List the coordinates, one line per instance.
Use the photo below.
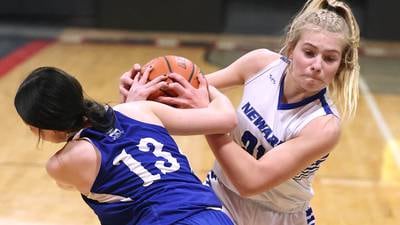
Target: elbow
(249, 186)
(245, 193)
(232, 120)
(246, 190)
(252, 184)
(229, 122)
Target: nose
(316, 65)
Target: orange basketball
(172, 64)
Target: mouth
(310, 77)
(312, 80)
(313, 76)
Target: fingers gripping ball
(172, 64)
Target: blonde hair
(333, 16)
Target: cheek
(332, 71)
(299, 60)
(299, 65)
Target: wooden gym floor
(359, 184)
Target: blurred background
(98, 40)
(377, 19)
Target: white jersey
(264, 122)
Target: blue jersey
(143, 177)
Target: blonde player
(289, 118)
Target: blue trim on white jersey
(310, 216)
(311, 169)
(286, 106)
(285, 59)
(325, 105)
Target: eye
(330, 59)
(309, 53)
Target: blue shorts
(207, 217)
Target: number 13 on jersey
(137, 168)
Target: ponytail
(97, 115)
(49, 98)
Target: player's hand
(126, 81)
(134, 85)
(188, 96)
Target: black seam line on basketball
(191, 73)
(169, 66)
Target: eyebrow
(328, 50)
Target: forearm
(218, 117)
(242, 169)
(221, 107)
(220, 102)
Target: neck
(71, 135)
(293, 92)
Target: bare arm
(251, 176)
(75, 167)
(242, 69)
(218, 117)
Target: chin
(313, 85)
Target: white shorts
(244, 211)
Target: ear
(290, 52)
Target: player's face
(316, 59)
(49, 135)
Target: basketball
(172, 64)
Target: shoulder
(261, 56)
(256, 60)
(140, 110)
(132, 108)
(66, 165)
(324, 130)
(263, 53)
